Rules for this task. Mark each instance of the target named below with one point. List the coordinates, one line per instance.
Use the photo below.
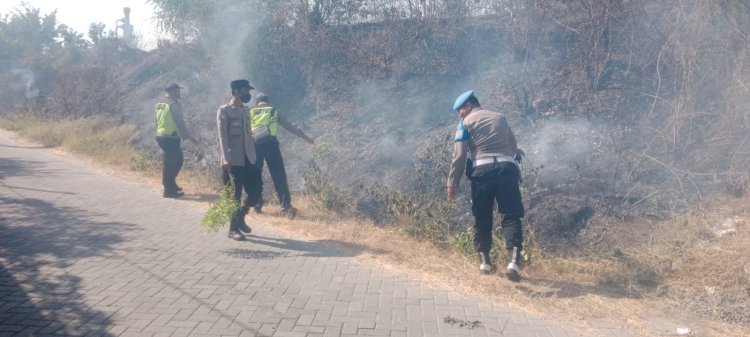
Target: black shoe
(179, 189)
(173, 194)
(513, 272)
(258, 208)
(236, 236)
(243, 227)
(485, 267)
(290, 212)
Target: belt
(492, 160)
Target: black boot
(259, 207)
(241, 224)
(234, 234)
(486, 263)
(289, 212)
(513, 272)
(172, 193)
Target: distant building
(124, 25)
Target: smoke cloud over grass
(25, 81)
(560, 146)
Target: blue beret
(462, 99)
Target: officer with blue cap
(485, 137)
(462, 99)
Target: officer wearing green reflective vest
(170, 130)
(265, 125)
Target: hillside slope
(633, 115)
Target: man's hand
(451, 193)
(227, 165)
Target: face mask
(245, 98)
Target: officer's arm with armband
(459, 162)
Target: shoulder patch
(461, 133)
(223, 112)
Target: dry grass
(97, 138)
(105, 144)
(578, 290)
(571, 289)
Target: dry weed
(107, 144)
(577, 290)
(679, 260)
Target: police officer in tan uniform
(238, 155)
(486, 137)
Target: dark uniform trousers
(497, 183)
(248, 178)
(173, 160)
(270, 152)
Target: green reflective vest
(264, 119)
(165, 124)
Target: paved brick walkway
(83, 253)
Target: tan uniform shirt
(235, 136)
(483, 134)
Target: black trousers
(245, 178)
(497, 183)
(173, 160)
(270, 153)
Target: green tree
(25, 34)
(184, 19)
(96, 32)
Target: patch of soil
(727, 305)
(557, 220)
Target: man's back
(488, 134)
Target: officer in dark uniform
(170, 130)
(487, 138)
(238, 154)
(266, 120)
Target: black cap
(261, 97)
(172, 86)
(239, 84)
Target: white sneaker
(513, 273)
(485, 268)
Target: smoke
(232, 41)
(395, 123)
(222, 54)
(561, 147)
(24, 81)
(377, 125)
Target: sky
(79, 14)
